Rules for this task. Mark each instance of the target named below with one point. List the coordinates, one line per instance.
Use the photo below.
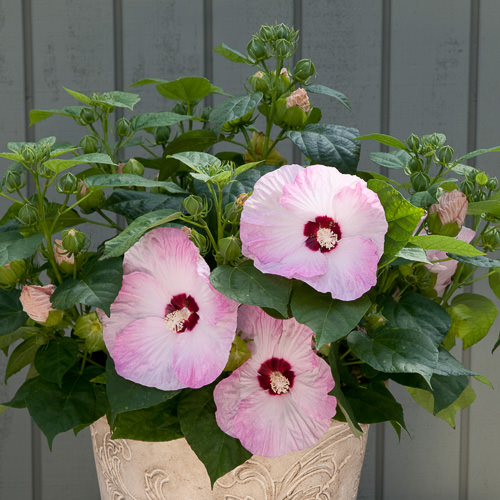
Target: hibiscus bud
(88, 116)
(29, 154)
(64, 258)
(451, 207)
(73, 241)
(419, 181)
(68, 184)
(180, 108)
(187, 230)
(13, 180)
(256, 49)
(11, 273)
(162, 134)
(467, 187)
(36, 303)
(490, 240)
(89, 328)
(46, 172)
(445, 154)
(492, 183)
(413, 143)
(229, 249)
(193, 205)
(259, 82)
(303, 70)
(414, 165)
(89, 144)
(266, 33)
(28, 214)
(274, 157)
(283, 48)
(91, 202)
(123, 127)
(481, 179)
(299, 98)
(199, 240)
(133, 167)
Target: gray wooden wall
(407, 66)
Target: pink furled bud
(299, 98)
(61, 254)
(284, 72)
(82, 188)
(36, 301)
(451, 207)
(259, 74)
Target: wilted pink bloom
(119, 168)
(451, 207)
(36, 301)
(316, 225)
(60, 254)
(259, 74)
(446, 269)
(284, 72)
(168, 327)
(277, 401)
(299, 98)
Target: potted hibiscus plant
(236, 298)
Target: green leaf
(23, 355)
(79, 96)
(118, 99)
(448, 365)
(413, 254)
(189, 89)
(54, 359)
(193, 140)
(38, 115)
(329, 319)
(126, 396)
(487, 206)
(12, 315)
(472, 317)
(232, 55)
(118, 245)
(396, 160)
(98, 286)
(125, 180)
(13, 246)
(24, 332)
(445, 244)
(332, 145)
(59, 165)
(394, 350)
(233, 108)
(321, 89)
(219, 452)
(476, 261)
(494, 281)
(384, 139)
(197, 161)
(477, 152)
(247, 285)
(162, 119)
(402, 218)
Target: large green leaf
(321, 89)
(487, 206)
(120, 244)
(38, 115)
(98, 286)
(329, 319)
(247, 285)
(394, 350)
(448, 365)
(24, 332)
(193, 140)
(126, 396)
(13, 246)
(445, 244)
(23, 355)
(233, 108)
(189, 89)
(332, 145)
(494, 281)
(395, 160)
(197, 160)
(59, 165)
(479, 261)
(161, 119)
(12, 315)
(219, 452)
(124, 180)
(472, 317)
(118, 99)
(385, 139)
(402, 217)
(477, 152)
(232, 55)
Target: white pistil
(176, 319)
(326, 238)
(279, 383)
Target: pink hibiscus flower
(277, 401)
(168, 327)
(36, 301)
(446, 269)
(317, 225)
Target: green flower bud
(193, 205)
(180, 108)
(12, 273)
(198, 239)
(481, 179)
(68, 184)
(229, 249)
(303, 70)
(413, 143)
(492, 183)
(414, 165)
(256, 49)
(44, 151)
(123, 127)
(89, 328)
(28, 214)
(283, 48)
(133, 166)
(490, 240)
(266, 33)
(471, 174)
(281, 31)
(89, 202)
(436, 226)
(467, 187)
(13, 180)
(419, 181)
(46, 172)
(88, 116)
(259, 82)
(162, 134)
(89, 144)
(29, 154)
(73, 241)
(445, 154)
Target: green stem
(249, 144)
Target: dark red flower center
(276, 376)
(181, 314)
(322, 234)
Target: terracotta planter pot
(135, 470)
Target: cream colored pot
(135, 470)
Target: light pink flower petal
(143, 353)
(36, 301)
(352, 269)
(227, 398)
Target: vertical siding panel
(343, 39)
(15, 425)
(73, 48)
(484, 481)
(428, 93)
